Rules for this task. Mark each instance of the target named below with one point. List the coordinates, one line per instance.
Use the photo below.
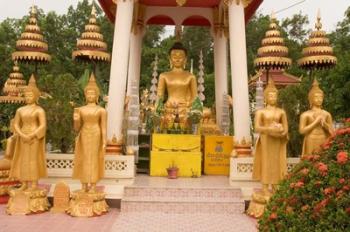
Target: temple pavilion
(226, 19)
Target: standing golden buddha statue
(315, 124)
(90, 122)
(180, 85)
(270, 159)
(29, 163)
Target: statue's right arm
(104, 127)
(259, 127)
(17, 125)
(76, 119)
(161, 86)
(303, 127)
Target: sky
(332, 11)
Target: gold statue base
(257, 204)
(85, 204)
(27, 201)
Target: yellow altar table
(182, 151)
(217, 151)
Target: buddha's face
(91, 96)
(271, 98)
(178, 58)
(30, 97)
(317, 99)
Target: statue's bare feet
(23, 187)
(92, 188)
(34, 186)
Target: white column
(220, 65)
(239, 70)
(135, 59)
(119, 67)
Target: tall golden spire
(13, 87)
(31, 47)
(91, 47)
(318, 54)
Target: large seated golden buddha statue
(179, 85)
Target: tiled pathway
(115, 221)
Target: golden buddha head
(31, 92)
(178, 56)
(91, 91)
(271, 93)
(315, 95)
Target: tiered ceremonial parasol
(91, 47)
(318, 54)
(31, 47)
(273, 53)
(13, 87)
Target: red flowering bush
(315, 196)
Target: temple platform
(207, 194)
(154, 204)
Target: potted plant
(172, 171)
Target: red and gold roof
(280, 77)
(109, 8)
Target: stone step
(234, 207)
(170, 199)
(183, 192)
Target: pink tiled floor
(115, 221)
(49, 222)
(162, 222)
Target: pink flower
(299, 184)
(340, 193)
(341, 181)
(342, 157)
(347, 210)
(305, 171)
(328, 191)
(305, 207)
(273, 216)
(322, 167)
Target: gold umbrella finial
(273, 15)
(318, 24)
(93, 10)
(33, 10)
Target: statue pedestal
(172, 150)
(6, 183)
(85, 204)
(257, 204)
(27, 202)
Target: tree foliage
(61, 32)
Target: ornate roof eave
(262, 74)
(109, 7)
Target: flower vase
(172, 172)
(195, 129)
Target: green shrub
(315, 196)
